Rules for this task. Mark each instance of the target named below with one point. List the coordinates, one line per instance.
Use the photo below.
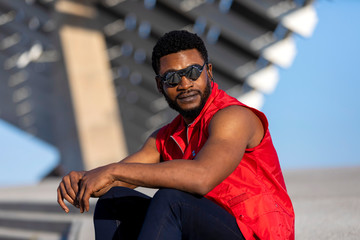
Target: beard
(194, 112)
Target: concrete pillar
(92, 93)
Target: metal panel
(236, 34)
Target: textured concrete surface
(326, 203)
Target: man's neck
(188, 121)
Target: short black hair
(176, 41)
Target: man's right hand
(68, 189)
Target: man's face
(189, 96)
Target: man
(215, 165)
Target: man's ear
(159, 85)
(209, 71)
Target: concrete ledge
(326, 203)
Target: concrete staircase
(31, 212)
(326, 203)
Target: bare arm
(69, 186)
(231, 131)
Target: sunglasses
(173, 78)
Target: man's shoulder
(223, 100)
(234, 112)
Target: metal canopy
(241, 37)
(236, 34)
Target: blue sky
(24, 159)
(314, 112)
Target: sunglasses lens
(171, 78)
(174, 78)
(193, 73)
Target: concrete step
(32, 212)
(43, 221)
(21, 234)
(326, 203)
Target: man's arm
(231, 131)
(69, 186)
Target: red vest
(255, 193)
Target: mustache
(188, 93)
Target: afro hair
(176, 41)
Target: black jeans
(125, 214)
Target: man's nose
(185, 83)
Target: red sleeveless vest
(255, 193)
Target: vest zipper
(187, 135)
(177, 144)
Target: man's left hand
(92, 182)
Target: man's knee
(116, 192)
(171, 196)
(121, 201)
(106, 202)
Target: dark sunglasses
(172, 79)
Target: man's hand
(92, 183)
(68, 189)
(78, 187)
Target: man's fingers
(75, 178)
(68, 184)
(68, 190)
(84, 197)
(79, 198)
(60, 200)
(74, 186)
(64, 193)
(85, 200)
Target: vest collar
(213, 94)
(183, 132)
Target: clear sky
(314, 112)
(24, 159)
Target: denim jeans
(171, 214)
